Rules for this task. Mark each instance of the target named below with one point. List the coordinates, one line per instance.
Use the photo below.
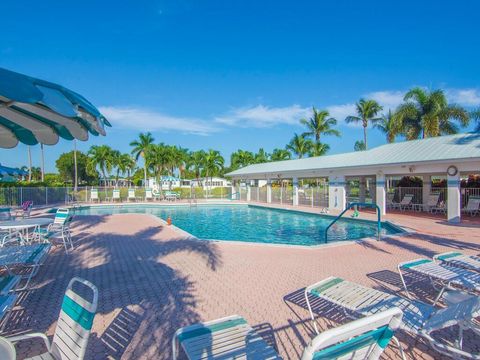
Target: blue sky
(238, 74)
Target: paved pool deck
(153, 280)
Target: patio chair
(73, 326)
(457, 259)
(473, 205)
(419, 319)
(432, 202)
(131, 195)
(5, 214)
(23, 260)
(406, 202)
(148, 195)
(443, 277)
(60, 228)
(156, 195)
(116, 195)
(171, 196)
(24, 210)
(94, 195)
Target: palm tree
(320, 124)
(213, 163)
(367, 111)
(102, 157)
(241, 158)
(125, 164)
(475, 114)
(116, 158)
(299, 145)
(140, 147)
(197, 162)
(280, 154)
(390, 125)
(427, 113)
(159, 159)
(318, 149)
(261, 156)
(359, 146)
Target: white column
(295, 191)
(453, 199)
(362, 189)
(380, 193)
(269, 191)
(249, 191)
(336, 192)
(426, 187)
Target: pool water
(252, 223)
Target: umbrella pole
(29, 163)
(75, 179)
(43, 162)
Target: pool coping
(189, 236)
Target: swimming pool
(252, 223)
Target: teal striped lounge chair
(232, 338)
(5, 214)
(148, 195)
(8, 283)
(419, 319)
(131, 195)
(116, 195)
(94, 195)
(23, 260)
(457, 259)
(442, 276)
(60, 228)
(73, 327)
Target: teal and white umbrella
(35, 111)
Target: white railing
(466, 193)
(313, 197)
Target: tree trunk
(365, 137)
(29, 164)
(145, 175)
(75, 180)
(43, 162)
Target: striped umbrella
(35, 111)
(5, 170)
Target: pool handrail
(348, 207)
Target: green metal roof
(443, 148)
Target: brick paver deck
(153, 280)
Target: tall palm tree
(213, 163)
(320, 124)
(101, 157)
(116, 158)
(197, 162)
(299, 145)
(359, 146)
(427, 113)
(367, 111)
(280, 154)
(159, 158)
(241, 158)
(261, 156)
(390, 125)
(125, 164)
(318, 149)
(140, 147)
(475, 115)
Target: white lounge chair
(457, 259)
(60, 228)
(73, 327)
(23, 260)
(148, 195)
(5, 214)
(116, 195)
(171, 196)
(94, 195)
(442, 276)
(406, 202)
(156, 195)
(432, 202)
(233, 338)
(473, 205)
(419, 319)
(131, 195)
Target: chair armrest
(18, 338)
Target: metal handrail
(349, 206)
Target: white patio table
(23, 225)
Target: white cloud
(147, 120)
(261, 116)
(340, 112)
(388, 99)
(464, 97)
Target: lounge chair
(442, 276)
(406, 202)
(73, 327)
(232, 338)
(94, 195)
(473, 205)
(171, 196)
(60, 228)
(131, 195)
(8, 298)
(419, 319)
(148, 194)
(432, 202)
(116, 195)
(156, 195)
(457, 259)
(24, 210)
(23, 260)
(5, 214)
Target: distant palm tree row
(423, 114)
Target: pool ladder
(358, 204)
